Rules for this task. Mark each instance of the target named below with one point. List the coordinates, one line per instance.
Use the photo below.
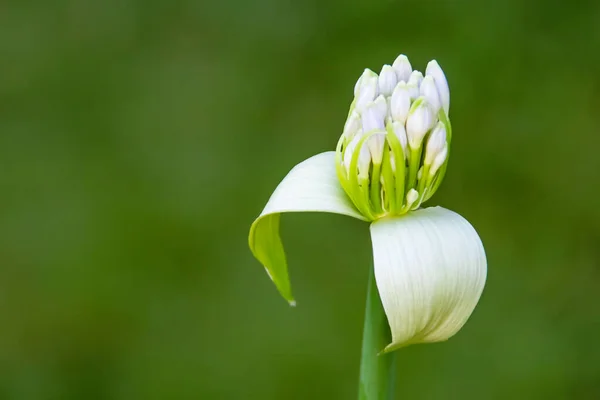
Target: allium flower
(429, 263)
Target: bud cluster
(393, 152)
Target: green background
(139, 140)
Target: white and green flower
(429, 263)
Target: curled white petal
(312, 185)
(434, 69)
(430, 269)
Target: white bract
(430, 265)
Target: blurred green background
(139, 140)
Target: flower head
(397, 126)
(429, 264)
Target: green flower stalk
(429, 263)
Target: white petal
(430, 269)
(312, 185)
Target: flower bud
(367, 73)
(373, 117)
(416, 77)
(400, 103)
(364, 157)
(439, 160)
(367, 90)
(400, 133)
(402, 68)
(434, 70)
(430, 92)
(435, 143)
(387, 80)
(353, 124)
(420, 120)
(411, 197)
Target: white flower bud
(374, 115)
(400, 102)
(413, 91)
(402, 68)
(367, 73)
(400, 133)
(387, 80)
(353, 124)
(375, 144)
(430, 92)
(438, 161)
(420, 120)
(364, 157)
(411, 197)
(381, 106)
(367, 91)
(434, 69)
(416, 77)
(435, 143)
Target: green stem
(377, 370)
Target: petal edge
(312, 185)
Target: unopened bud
(364, 157)
(367, 91)
(373, 117)
(434, 69)
(430, 92)
(420, 120)
(435, 143)
(387, 80)
(367, 73)
(438, 161)
(352, 125)
(402, 68)
(400, 103)
(400, 133)
(411, 197)
(416, 77)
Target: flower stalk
(377, 371)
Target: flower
(429, 263)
